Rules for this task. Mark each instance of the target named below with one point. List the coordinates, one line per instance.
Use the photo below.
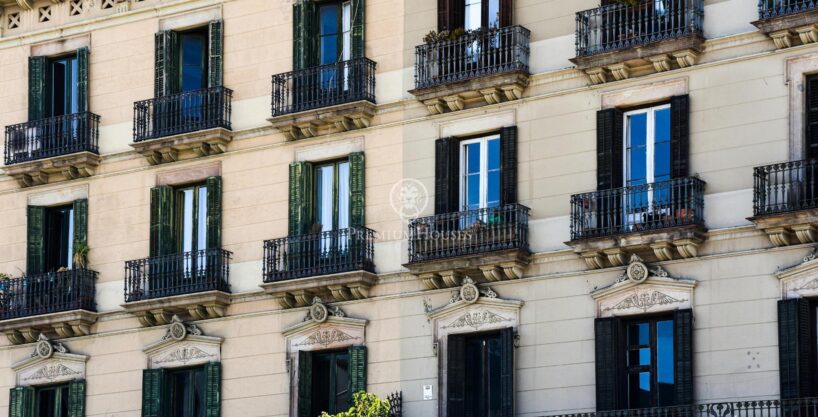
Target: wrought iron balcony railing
(178, 274)
(48, 293)
(186, 112)
(785, 187)
(675, 203)
(54, 136)
(802, 407)
(324, 86)
(468, 232)
(476, 54)
(324, 253)
(773, 8)
(618, 26)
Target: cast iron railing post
(51, 137)
(177, 274)
(186, 112)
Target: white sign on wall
(427, 393)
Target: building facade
(471, 207)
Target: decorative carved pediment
(641, 289)
(325, 327)
(800, 280)
(49, 363)
(183, 344)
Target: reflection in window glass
(650, 363)
(473, 15)
(480, 182)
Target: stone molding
(183, 344)
(645, 94)
(49, 363)
(664, 245)
(788, 228)
(57, 168)
(801, 280)
(188, 175)
(792, 29)
(486, 90)
(197, 306)
(642, 290)
(300, 292)
(63, 324)
(184, 146)
(325, 120)
(504, 265)
(324, 327)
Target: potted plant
(365, 405)
(81, 255)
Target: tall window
(480, 374)
(51, 401)
(647, 159)
(330, 382)
(483, 357)
(332, 196)
(650, 363)
(334, 32)
(186, 392)
(59, 237)
(481, 14)
(480, 173)
(192, 207)
(64, 85)
(193, 59)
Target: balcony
(60, 303)
(335, 265)
(788, 22)
(657, 217)
(184, 125)
(802, 407)
(621, 41)
(481, 67)
(489, 242)
(52, 149)
(191, 283)
(785, 201)
(324, 99)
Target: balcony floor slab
(62, 324)
(325, 120)
(196, 306)
(793, 227)
(53, 169)
(344, 286)
(499, 265)
(473, 92)
(184, 146)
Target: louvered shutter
(215, 63)
(811, 117)
(37, 87)
(305, 384)
(450, 14)
(166, 59)
(305, 34)
(609, 149)
(609, 376)
(357, 187)
(163, 216)
(82, 79)
(300, 199)
(21, 402)
(357, 369)
(506, 13)
(508, 165)
(679, 136)
(456, 375)
(214, 212)
(76, 398)
(796, 353)
(447, 168)
(683, 353)
(153, 391)
(80, 223)
(35, 251)
(358, 29)
(213, 389)
(507, 373)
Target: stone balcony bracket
(655, 245)
(54, 169)
(492, 267)
(60, 325)
(195, 306)
(800, 227)
(184, 146)
(300, 292)
(325, 120)
(459, 95)
(791, 30)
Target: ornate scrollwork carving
(45, 349)
(179, 330)
(469, 292)
(320, 312)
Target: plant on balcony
(434, 37)
(81, 255)
(631, 3)
(365, 405)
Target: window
(193, 56)
(798, 347)
(334, 32)
(480, 173)
(51, 401)
(186, 61)
(53, 233)
(332, 196)
(64, 83)
(192, 208)
(649, 363)
(480, 374)
(483, 356)
(474, 14)
(482, 14)
(331, 383)
(186, 392)
(59, 237)
(647, 145)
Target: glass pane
(343, 195)
(201, 238)
(74, 85)
(69, 239)
(639, 334)
(347, 29)
(328, 33)
(494, 13)
(342, 394)
(321, 383)
(323, 200)
(59, 95)
(179, 393)
(661, 159)
(193, 62)
(495, 357)
(46, 403)
(199, 392)
(637, 151)
(664, 362)
(493, 154)
(63, 401)
(473, 14)
(187, 220)
(475, 377)
(493, 197)
(472, 158)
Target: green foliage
(628, 2)
(366, 405)
(81, 255)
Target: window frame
(343, 36)
(193, 373)
(626, 348)
(199, 192)
(484, 395)
(333, 376)
(60, 389)
(650, 168)
(70, 88)
(483, 170)
(66, 237)
(202, 32)
(336, 194)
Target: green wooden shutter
(811, 122)
(608, 370)
(358, 29)
(35, 252)
(508, 165)
(506, 13)
(82, 79)
(37, 88)
(679, 136)
(357, 190)
(214, 212)
(153, 392)
(76, 398)
(447, 166)
(166, 58)
(300, 199)
(305, 34)
(609, 149)
(21, 402)
(796, 354)
(80, 223)
(305, 384)
(357, 369)
(163, 218)
(683, 353)
(450, 14)
(456, 375)
(213, 389)
(215, 66)
(507, 372)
